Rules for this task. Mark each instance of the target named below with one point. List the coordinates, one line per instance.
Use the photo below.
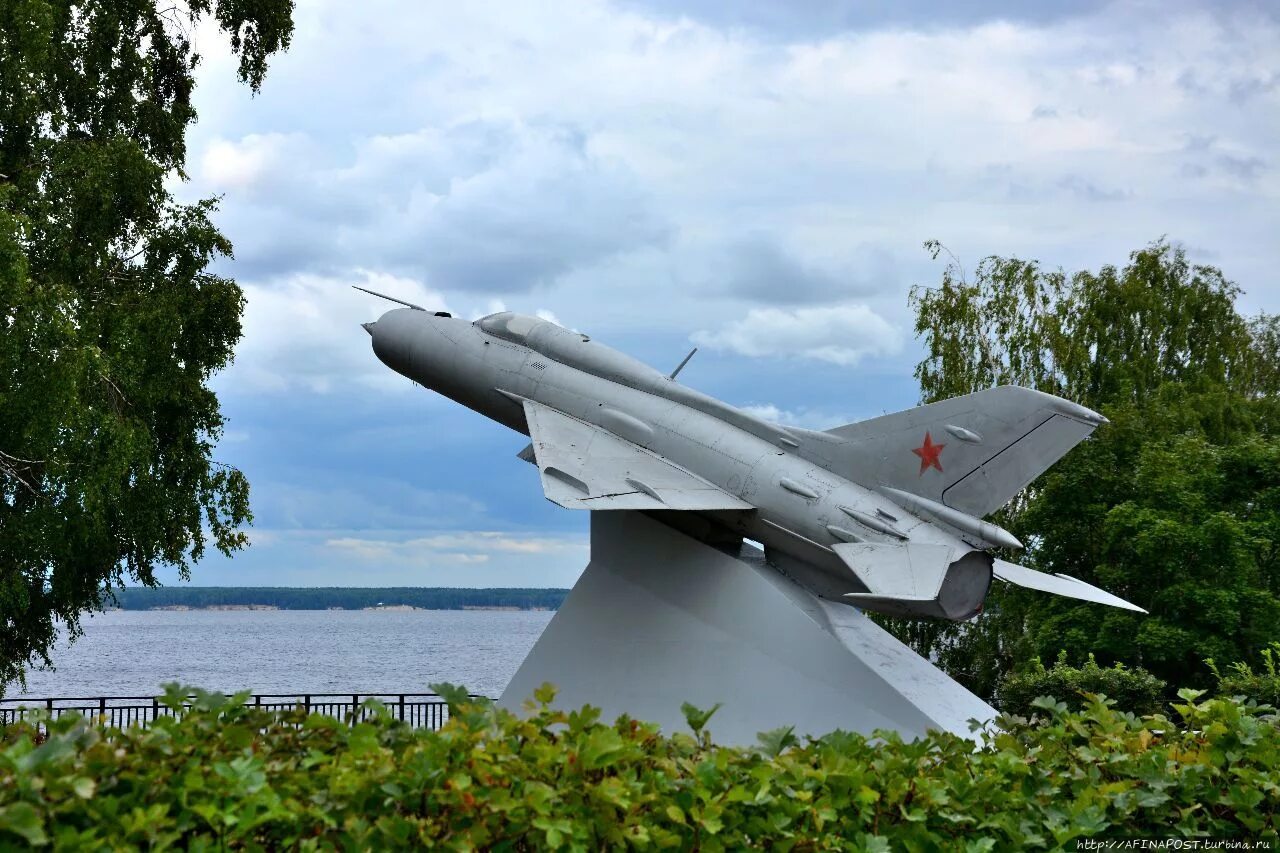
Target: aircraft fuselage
(801, 508)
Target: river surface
(134, 652)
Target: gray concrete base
(659, 618)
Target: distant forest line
(337, 597)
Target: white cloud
(255, 161)
(492, 204)
(633, 169)
(373, 550)
(841, 334)
(806, 418)
(381, 557)
(769, 412)
(462, 547)
(303, 332)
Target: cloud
(489, 540)
(255, 163)
(475, 558)
(769, 412)
(1089, 191)
(460, 547)
(649, 169)
(384, 551)
(626, 163)
(382, 502)
(1242, 89)
(1244, 168)
(501, 206)
(817, 19)
(841, 334)
(761, 269)
(806, 418)
(1208, 159)
(303, 332)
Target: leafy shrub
(1262, 687)
(1134, 690)
(227, 775)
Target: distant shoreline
(189, 598)
(398, 608)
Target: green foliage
(1240, 679)
(1133, 690)
(323, 598)
(228, 776)
(112, 323)
(1096, 338)
(1174, 505)
(1184, 527)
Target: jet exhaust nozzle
(918, 580)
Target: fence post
(155, 708)
(306, 703)
(402, 707)
(102, 706)
(355, 707)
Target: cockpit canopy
(509, 325)
(518, 328)
(578, 351)
(569, 347)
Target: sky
(755, 178)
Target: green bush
(1134, 690)
(1262, 687)
(227, 775)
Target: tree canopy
(1174, 505)
(112, 321)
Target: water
(133, 652)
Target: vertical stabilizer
(970, 453)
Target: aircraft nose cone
(368, 327)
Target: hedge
(226, 775)
(1134, 690)
(1240, 679)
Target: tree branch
(16, 466)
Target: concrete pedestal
(659, 618)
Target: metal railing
(420, 710)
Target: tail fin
(972, 453)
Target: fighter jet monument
(676, 604)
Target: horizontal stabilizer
(1058, 584)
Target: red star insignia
(928, 453)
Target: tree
(1175, 504)
(110, 322)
